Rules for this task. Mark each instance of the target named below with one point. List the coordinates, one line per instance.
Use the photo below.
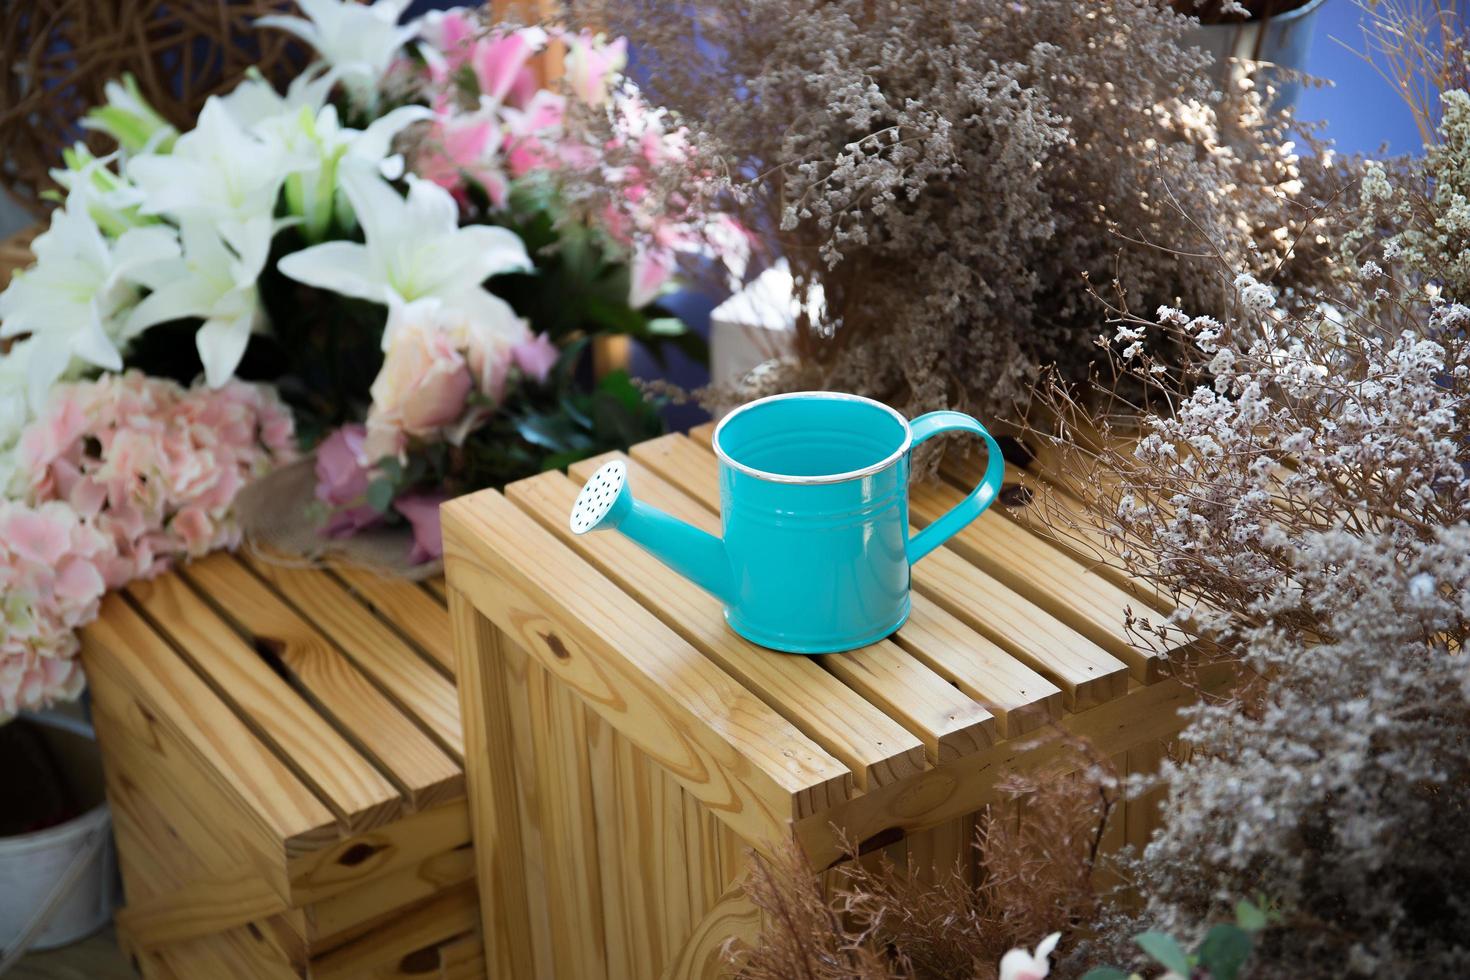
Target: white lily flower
(221, 172)
(73, 300)
(211, 281)
(128, 118)
(359, 40)
(256, 100)
(311, 191)
(15, 406)
(112, 200)
(415, 249)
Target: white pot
(1283, 40)
(58, 885)
(753, 326)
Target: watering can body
(815, 553)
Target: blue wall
(1362, 112)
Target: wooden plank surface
(417, 766)
(1146, 714)
(1087, 674)
(409, 608)
(402, 674)
(747, 763)
(229, 758)
(875, 748)
(347, 782)
(511, 898)
(1038, 570)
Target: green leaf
(1224, 951)
(1163, 948)
(1106, 973)
(380, 495)
(1250, 916)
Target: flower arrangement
(386, 275)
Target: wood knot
(420, 962)
(357, 853)
(556, 646)
(1014, 495)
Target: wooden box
(627, 750)
(285, 767)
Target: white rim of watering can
(882, 464)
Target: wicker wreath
(58, 54)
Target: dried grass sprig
(1020, 880)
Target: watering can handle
(946, 527)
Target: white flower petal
(342, 267)
(221, 343)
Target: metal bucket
(1283, 40)
(58, 884)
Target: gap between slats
(385, 809)
(331, 682)
(402, 675)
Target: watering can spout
(606, 503)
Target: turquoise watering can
(814, 500)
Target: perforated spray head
(604, 501)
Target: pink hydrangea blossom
(50, 584)
(152, 465)
(123, 476)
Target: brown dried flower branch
(874, 920)
(947, 173)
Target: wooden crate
(285, 767)
(627, 750)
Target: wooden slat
(1147, 714)
(448, 914)
(495, 788)
(744, 761)
(192, 721)
(733, 917)
(340, 918)
(1086, 674)
(409, 608)
(1042, 573)
(422, 770)
(626, 954)
(1043, 501)
(1020, 698)
(346, 781)
(876, 749)
(573, 873)
(948, 721)
(353, 861)
(184, 877)
(398, 670)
